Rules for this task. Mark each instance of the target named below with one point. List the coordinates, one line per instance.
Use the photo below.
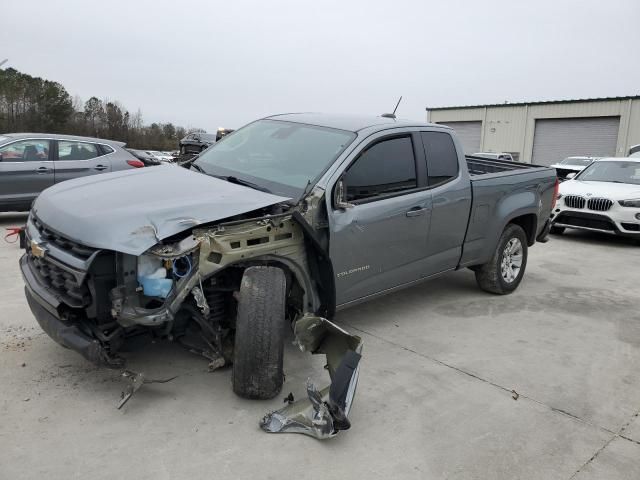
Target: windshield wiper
(240, 181)
(197, 167)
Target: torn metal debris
(323, 413)
(136, 380)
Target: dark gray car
(31, 162)
(196, 142)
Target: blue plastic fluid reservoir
(154, 285)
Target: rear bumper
(46, 308)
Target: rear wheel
(260, 329)
(557, 230)
(504, 271)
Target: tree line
(33, 104)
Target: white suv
(604, 197)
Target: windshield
(581, 162)
(282, 157)
(208, 136)
(614, 171)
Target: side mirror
(570, 175)
(339, 198)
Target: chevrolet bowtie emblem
(37, 250)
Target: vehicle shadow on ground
(596, 238)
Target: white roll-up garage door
(468, 133)
(558, 138)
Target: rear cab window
(442, 157)
(383, 169)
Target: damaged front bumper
(44, 305)
(324, 412)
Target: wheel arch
(310, 300)
(529, 223)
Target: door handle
(42, 170)
(415, 211)
(100, 167)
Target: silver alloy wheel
(511, 260)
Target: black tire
(260, 330)
(489, 276)
(557, 230)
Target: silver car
(31, 162)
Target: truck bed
(501, 189)
(483, 166)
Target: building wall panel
(511, 128)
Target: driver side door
(379, 241)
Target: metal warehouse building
(545, 132)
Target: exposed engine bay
(186, 289)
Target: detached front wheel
(504, 271)
(260, 329)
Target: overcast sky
(211, 63)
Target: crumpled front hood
(130, 211)
(613, 191)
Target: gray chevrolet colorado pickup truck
(280, 223)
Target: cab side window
(442, 158)
(386, 167)
(26, 151)
(69, 150)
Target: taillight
(556, 190)
(135, 163)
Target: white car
(494, 156)
(572, 165)
(162, 156)
(604, 197)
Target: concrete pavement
(435, 399)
